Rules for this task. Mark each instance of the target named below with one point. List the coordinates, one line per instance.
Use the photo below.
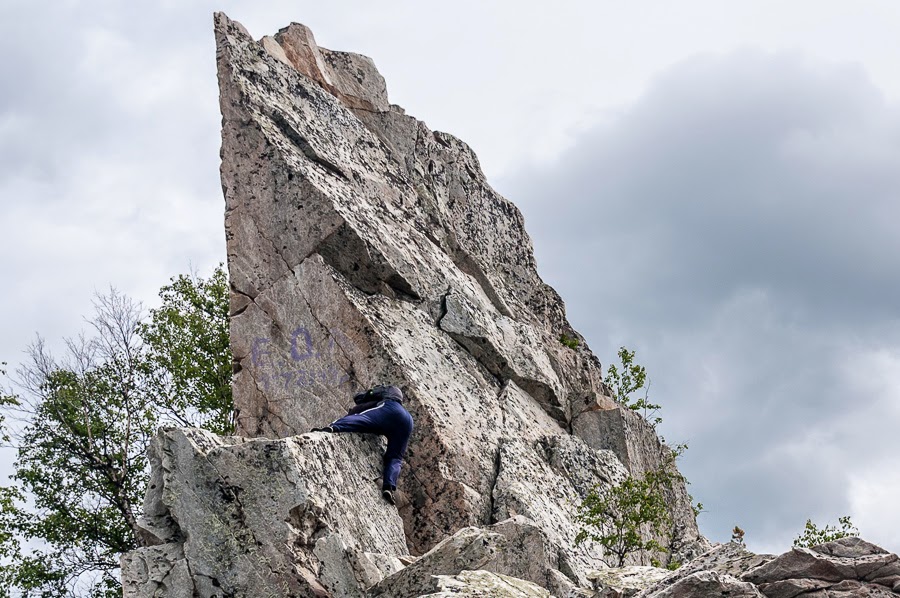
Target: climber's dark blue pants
(390, 419)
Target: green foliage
(737, 535)
(813, 536)
(188, 351)
(628, 517)
(6, 401)
(627, 379)
(82, 425)
(569, 341)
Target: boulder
(848, 566)
(709, 584)
(484, 584)
(624, 582)
(731, 559)
(291, 517)
(515, 547)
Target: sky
(715, 185)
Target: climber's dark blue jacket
(386, 417)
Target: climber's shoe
(388, 496)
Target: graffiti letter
(295, 351)
(259, 351)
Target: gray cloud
(739, 225)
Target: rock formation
(365, 248)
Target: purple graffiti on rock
(302, 365)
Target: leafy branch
(627, 379)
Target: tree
(81, 426)
(813, 536)
(627, 517)
(189, 354)
(630, 379)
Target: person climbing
(380, 411)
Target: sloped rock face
(545, 481)
(365, 248)
(291, 517)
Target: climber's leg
(367, 421)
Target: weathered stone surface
(545, 480)
(292, 517)
(157, 571)
(624, 582)
(709, 584)
(803, 563)
(850, 547)
(351, 77)
(789, 588)
(484, 584)
(732, 559)
(365, 248)
(845, 567)
(515, 547)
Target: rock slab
(291, 517)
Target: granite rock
(291, 517)
(365, 248)
(515, 547)
(848, 566)
(709, 584)
(731, 559)
(484, 584)
(624, 582)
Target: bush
(813, 536)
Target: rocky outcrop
(625, 582)
(292, 517)
(365, 248)
(709, 584)
(732, 559)
(846, 567)
(515, 548)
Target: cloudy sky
(713, 184)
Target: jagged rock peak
(365, 248)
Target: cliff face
(364, 248)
